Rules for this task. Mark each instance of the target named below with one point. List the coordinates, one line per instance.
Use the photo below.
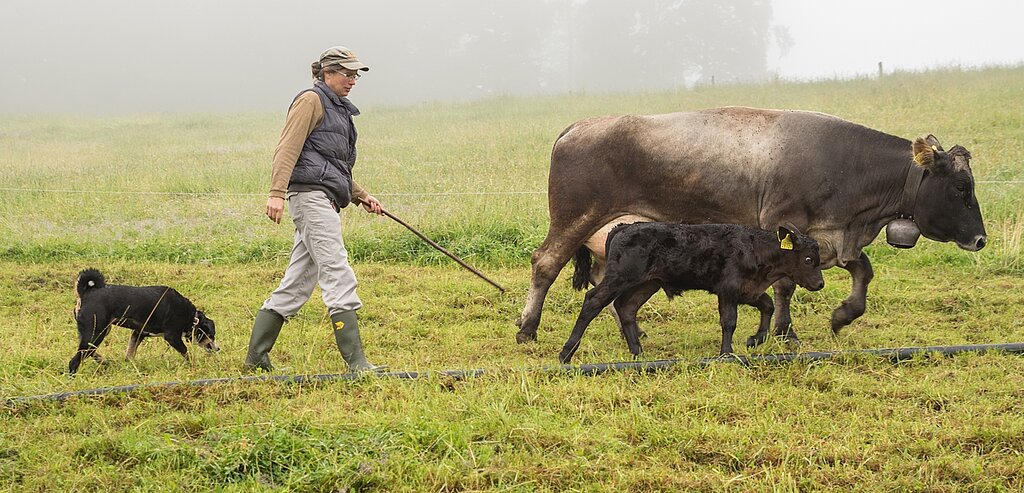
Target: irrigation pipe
(894, 355)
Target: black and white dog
(146, 310)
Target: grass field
(177, 199)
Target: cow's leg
(783, 289)
(593, 302)
(765, 306)
(627, 305)
(547, 261)
(854, 306)
(727, 318)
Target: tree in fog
(669, 43)
(458, 49)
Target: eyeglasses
(353, 76)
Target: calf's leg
(596, 275)
(783, 323)
(593, 302)
(765, 306)
(626, 305)
(727, 318)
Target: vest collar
(337, 100)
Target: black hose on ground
(894, 355)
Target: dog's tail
(89, 279)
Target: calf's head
(946, 208)
(801, 260)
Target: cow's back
(703, 166)
(724, 165)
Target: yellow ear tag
(786, 243)
(339, 325)
(935, 148)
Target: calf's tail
(89, 279)
(582, 262)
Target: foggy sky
(142, 56)
(844, 39)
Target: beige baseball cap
(339, 55)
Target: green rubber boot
(265, 330)
(346, 335)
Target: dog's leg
(88, 340)
(133, 344)
(97, 340)
(84, 338)
(177, 344)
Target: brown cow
(736, 263)
(837, 181)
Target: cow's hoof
(792, 343)
(754, 341)
(524, 337)
(845, 314)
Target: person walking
(312, 170)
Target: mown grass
(855, 424)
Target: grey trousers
(318, 256)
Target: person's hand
(275, 209)
(371, 204)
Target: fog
(136, 56)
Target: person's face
(341, 81)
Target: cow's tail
(582, 262)
(89, 279)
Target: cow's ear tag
(925, 158)
(786, 243)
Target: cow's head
(802, 261)
(946, 208)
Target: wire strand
(241, 194)
(409, 194)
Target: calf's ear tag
(786, 243)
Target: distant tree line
(467, 48)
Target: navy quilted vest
(329, 153)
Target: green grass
(854, 424)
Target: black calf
(736, 263)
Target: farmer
(312, 169)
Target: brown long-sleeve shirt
(305, 114)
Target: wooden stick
(442, 250)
